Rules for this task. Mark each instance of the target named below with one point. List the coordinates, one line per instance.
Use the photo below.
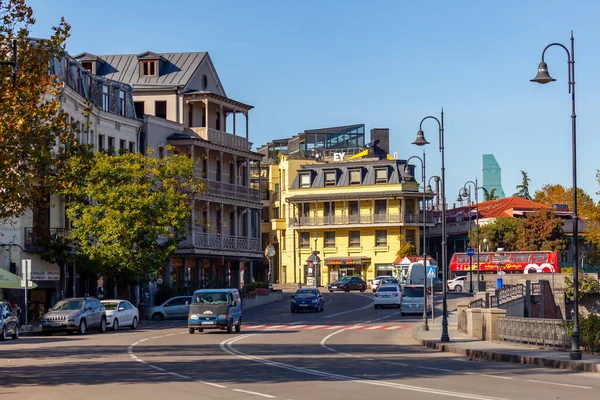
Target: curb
(500, 356)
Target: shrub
(249, 287)
(589, 329)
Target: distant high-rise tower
(492, 176)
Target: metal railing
(223, 138)
(244, 193)
(479, 303)
(358, 219)
(463, 320)
(37, 238)
(536, 289)
(223, 242)
(536, 331)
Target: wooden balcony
(370, 219)
(230, 191)
(223, 138)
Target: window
(355, 177)
(354, 239)
(381, 238)
(353, 208)
(123, 144)
(87, 65)
(232, 173)
(305, 209)
(111, 143)
(380, 207)
(330, 178)
(149, 68)
(381, 175)
(384, 270)
(131, 147)
(218, 178)
(105, 97)
(305, 240)
(304, 180)
(139, 109)
(410, 236)
(329, 239)
(100, 142)
(329, 209)
(122, 108)
(160, 109)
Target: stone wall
(251, 302)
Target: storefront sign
(45, 275)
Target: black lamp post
(466, 192)
(420, 141)
(424, 251)
(544, 77)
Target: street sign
(270, 251)
(431, 271)
(470, 252)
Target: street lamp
(430, 191)
(420, 141)
(544, 77)
(425, 325)
(466, 192)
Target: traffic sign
(431, 271)
(470, 252)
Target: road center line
(268, 396)
(559, 384)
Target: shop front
(347, 266)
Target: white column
(206, 113)
(235, 223)
(221, 119)
(234, 112)
(246, 114)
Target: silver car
(75, 315)
(9, 321)
(174, 308)
(413, 300)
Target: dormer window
(381, 175)
(355, 177)
(149, 68)
(330, 178)
(305, 180)
(88, 66)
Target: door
(90, 314)
(123, 314)
(171, 308)
(182, 311)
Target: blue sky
(312, 64)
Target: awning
(347, 260)
(11, 281)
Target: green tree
(588, 284)
(129, 211)
(502, 232)
(558, 194)
(33, 128)
(523, 188)
(489, 195)
(406, 248)
(542, 230)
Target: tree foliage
(489, 195)
(523, 188)
(129, 211)
(588, 284)
(406, 248)
(502, 232)
(33, 129)
(542, 230)
(558, 194)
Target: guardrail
(536, 331)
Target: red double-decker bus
(524, 262)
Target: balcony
(371, 219)
(230, 191)
(35, 239)
(220, 243)
(223, 138)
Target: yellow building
(352, 211)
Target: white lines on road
(212, 384)
(353, 310)
(559, 384)
(487, 375)
(268, 396)
(437, 369)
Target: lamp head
(543, 76)
(407, 171)
(459, 198)
(464, 193)
(420, 141)
(428, 189)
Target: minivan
(215, 309)
(413, 300)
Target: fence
(536, 331)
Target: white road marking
(374, 327)
(391, 328)
(254, 326)
(179, 375)
(274, 327)
(295, 326)
(335, 327)
(227, 346)
(559, 384)
(268, 396)
(316, 327)
(353, 310)
(489, 376)
(213, 384)
(437, 369)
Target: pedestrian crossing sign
(431, 271)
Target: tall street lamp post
(544, 77)
(466, 192)
(420, 141)
(424, 251)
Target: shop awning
(11, 281)
(347, 260)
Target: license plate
(208, 322)
(303, 305)
(334, 287)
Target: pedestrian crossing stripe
(324, 327)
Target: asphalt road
(350, 351)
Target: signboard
(45, 275)
(270, 251)
(26, 275)
(470, 252)
(431, 271)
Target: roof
(175, 69)
(336, 129)
(506, 207)
(411, 259)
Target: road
(350, 351)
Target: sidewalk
(501, 351)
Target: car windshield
(68, 305)
(389, 280)
(210, 298)
(387, 289)
(110, 306)
(413, 292)
(344, 279)
(306, 292)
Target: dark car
(9, 321)
(438, 285)
(307, 299)
(75, 315)
(348, 283)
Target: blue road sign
(470, 252)
(431, 271)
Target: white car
(388, 295)
(413, 300)
(375, 282)
(457, 284)
(120, 313)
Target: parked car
(388, 295)
(75, 315)
(348, 283)
(307, 299)
(375, 282)
(438, 285)
(413, 300)
(120, 313)
(9, 321)
(215, 309)
(389, 281)
(457, 284)
(174, 308)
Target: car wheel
(191, 331)
(3, 335)
(16, 334)
(458, 288)
(330, 291)
(238, 327)
(134, 323)
(230, 327)
(82, 327)
(347, 290)
(102, 327)
(402, 314)
(116, 325)
(200, 330)
(292, 310)
(158, 317)
(47, 333)
(376, 306)
(362, 290)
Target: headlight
(223, 316)
(315, 301)
(193, 316)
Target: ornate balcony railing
(36, 238)
(223, 138)
(229, 190)
(357, 219)
(537, 331)
(223, 242)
